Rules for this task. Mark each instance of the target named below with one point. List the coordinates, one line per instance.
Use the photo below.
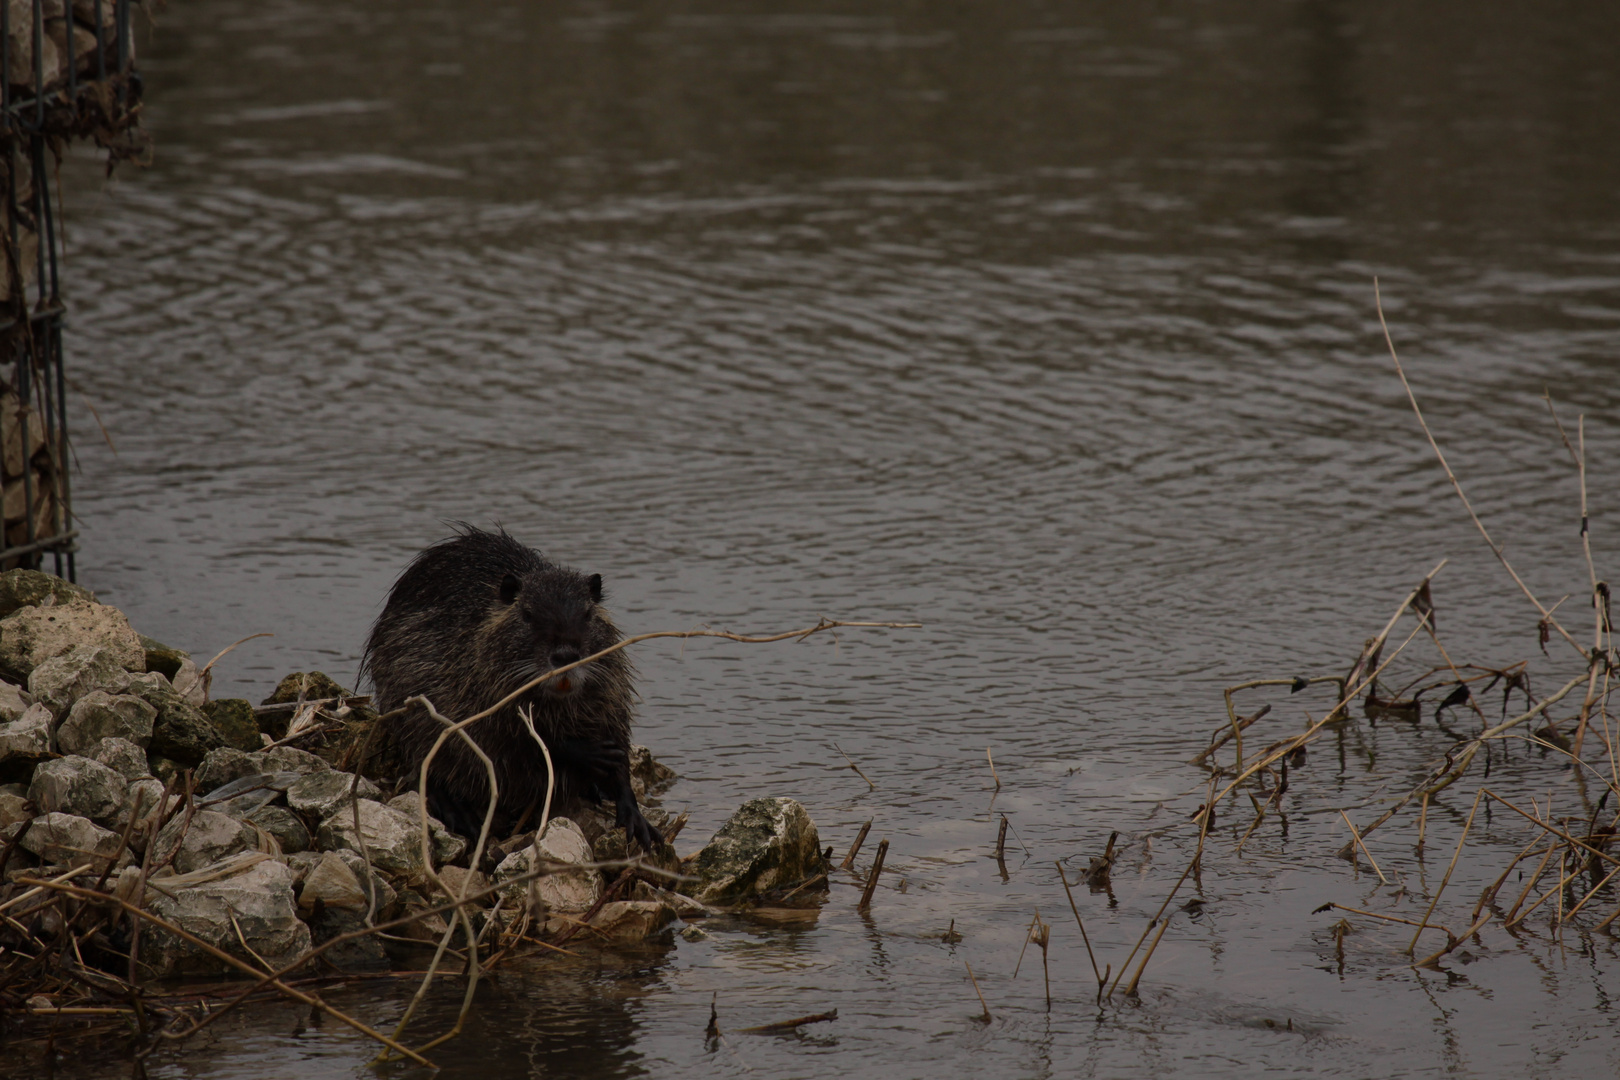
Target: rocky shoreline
(222, 834)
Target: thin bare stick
(1358, 842)
(460, 917)
(869, 785)
(855, 848)
(872, 878)
(1453, 942)
(1593, 891)
(1203, 833)
(1081, 923)
(992, 762)
(1435, 446)
(206, 668)
(976, 990)
(1541, 868)
(1425, 925)
(1445, 880)
(1599, 852)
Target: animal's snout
(563, 656)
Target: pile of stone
(119, 774)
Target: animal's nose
(563, 656)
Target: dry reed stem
(1453, 768)
(1488, 894)
(1289, 745)
(1423, 925)
(1557, 890)
(1572, 841)
(787, 1025)
(1446, 880)
(1453, 941)
(1029, 936)
(872, 878)
(461, 916)
(1356, 839)
(869, 785)
(854, 849)
(976, 990)
(1435, 446)
(1593, 891)
(206, 668)
(992, 762)
(1203, 833)
(1101, 978)
(1598, 620)
(1541, 868)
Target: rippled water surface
(1049, 326)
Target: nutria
(470, 620)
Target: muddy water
(1050, 328)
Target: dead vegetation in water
(1567, 865)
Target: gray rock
(14, 701)
(68, 840)
(13, 808)
(768, 843)
(332, 883)
(122, 757)
(62, 680)
(261, 900)
(27, 588)
(357, 954)
(372, 881)
(455, 877)
(181, 732)
(80, 786)
(211, 837)
(162, 658)
(284, 825)
(192, 685)
(31, 635)
(447, 846)
(648, 776)
(562, 890)
(143, 802)
(626, 921)
(99, 715)
(288, 759)
(233, 719)
(391, 838)
(320, 794)
(222, 765)
(25, 742)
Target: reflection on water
(1048, 326)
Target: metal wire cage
(66, 73)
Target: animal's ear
(510, 587)
(596, 588)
